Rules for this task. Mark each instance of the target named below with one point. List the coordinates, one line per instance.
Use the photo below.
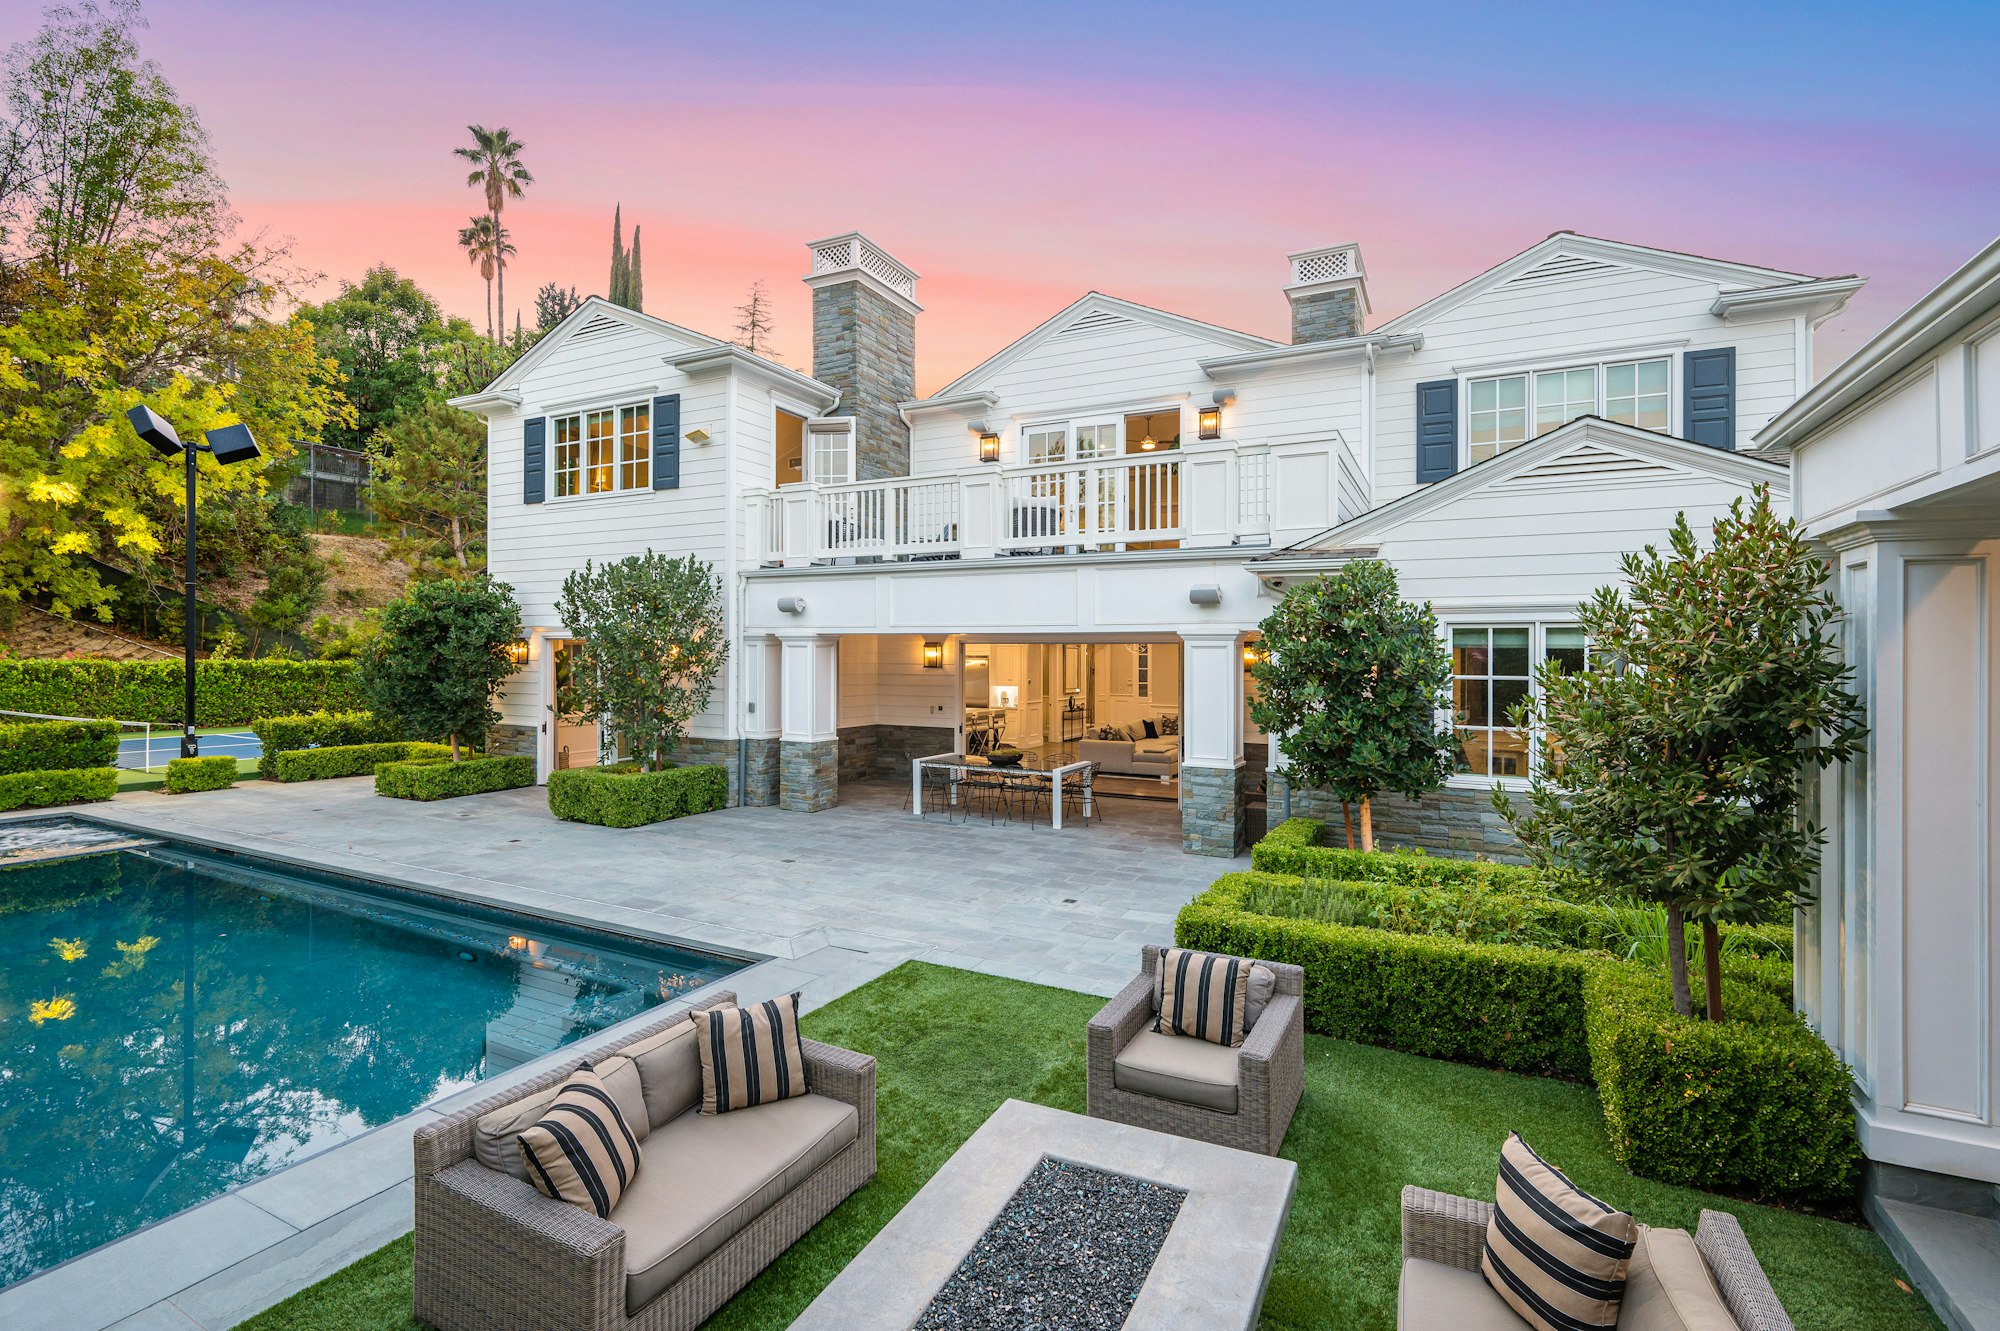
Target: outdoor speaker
(155, 429)
(232, 443)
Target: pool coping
(251, 1246)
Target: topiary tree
(1673, 766)
(1353, 682)
(441, 654)
(651, 644)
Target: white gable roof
(1097, 314)
(1566, 256)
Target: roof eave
(709, 360)
(1819, 300)
(1300, 352)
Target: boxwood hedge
(186, 775)
(346, 760)
(1297, 846)
(622, 797)
(227, 693)
(322, 729)
(439, 778)
(38, 790)
(57, 746)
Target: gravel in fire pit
(1068, 1253)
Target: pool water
(175, 1022)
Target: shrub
(228, 692)
(38, 790)
(314, 730)
(346, 760)
(1297, 846)
(1755, 1103)
(436, 777)
(1504, 1006)
(186, 775)
(613, 798)
(57, 746)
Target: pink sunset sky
(1019, 156)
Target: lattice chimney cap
(1329, 263)
(846, 257)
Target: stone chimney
(865, 344)
(1329, 294)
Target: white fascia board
(1819, 300)
(1950, 307)
(965, 404)
(592, 307)
(1221, 367)
(483, 403)
(717, 359)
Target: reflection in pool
(175, 1022)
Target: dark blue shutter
(1437, 430)
(667, 442)
(534, 459)
(1708, 396)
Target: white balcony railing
(1209, 495)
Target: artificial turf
(951, 1045)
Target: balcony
(1216, 494)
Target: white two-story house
(1069, 547)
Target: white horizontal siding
(883, 680)
(1624, 309)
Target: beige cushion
(1436, 1297)
(1263, 988)
(750, 1056)
(709, 1175)
(1173, 1067)
(1668, 1287)
(669, 1072)
(1556, 1254)
(496, 1136)
(581, 1150)
(1202, 994)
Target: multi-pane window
(602, 452)
(833, 455)
(635, 447)
(1498, 408)
(1145, 671)
(1097, 440)
(569, 455)
(1071, 440)
(1493, 669)
(1046, 443)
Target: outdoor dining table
(961, 770)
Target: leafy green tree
(442, 653)
(1352, 683)
(553, 304)
(1674, 766)
(495, 155)
(431, 480)
(388, 338)
(485, 248)
(652, 644)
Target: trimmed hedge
(56, 746)
(1297, 846)
(227, 693)
(39, 790)
(186, 775)
(1511, 1007)
(346, 760)
(611, 797)
(443, 779)
(316, 730)
(1756, 1103)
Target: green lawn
(951, 1045)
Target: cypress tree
(616, 295)
(635, 283)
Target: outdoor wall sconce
(791, 605)
(1206, 594)
(1252, 654)
(698, 437)
(517, 651)
(1209, 422)
(933, 656)
(989, 446)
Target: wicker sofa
(1240, 1097)
(716, 1200)
(1442, 1289)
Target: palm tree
(488, 248)
(496, 158)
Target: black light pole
(231, 443)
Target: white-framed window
(1144, 674)
(1081, 438)
(1493, 668)
(1043, 444)
(1503, 410)
(604, 450)
(832, 451)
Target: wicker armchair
(1438, 1227)
(1268, 1071)
(493, 1254)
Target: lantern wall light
(933, 656)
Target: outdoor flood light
(1206, 594)
(791, 605)
(228, 444)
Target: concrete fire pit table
(1210, 1272)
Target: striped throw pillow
(581, 1150)
(1203, 994)
(751, 1055)
(1554, 1253)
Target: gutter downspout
(1367, 454)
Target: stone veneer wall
(865, 344)
(808, 774)
(1212, 810)
(719, 752)
(511, 741)
(1324, 317)
(857, 753)
(760, 780)
(1444, 822)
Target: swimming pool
(176, 1021)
